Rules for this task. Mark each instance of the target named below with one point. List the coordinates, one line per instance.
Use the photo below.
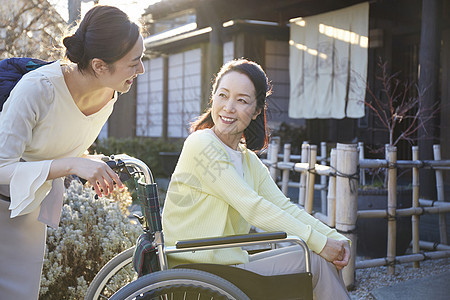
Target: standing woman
(50, 119)
(220, 187)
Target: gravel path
(370, 279)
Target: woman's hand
(94, 170)
(341, 263)
(337, 252)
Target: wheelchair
(191, 281)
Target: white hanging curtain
(328, 64)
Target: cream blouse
(41, 122)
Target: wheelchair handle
(136, 164)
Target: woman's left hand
(336, 252)
(344, 258)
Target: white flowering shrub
(91, 232)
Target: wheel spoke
(180, 284)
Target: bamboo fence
(347, 167)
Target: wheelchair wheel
(180, 284)
(114, 275)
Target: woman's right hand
(94, 170)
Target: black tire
(180, 284)
(115, 274)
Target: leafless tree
(398, 103)
(30, 28)
(397, 107)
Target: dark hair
(256, 135)
(105, 32)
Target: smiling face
(121, 74)
(233, 107)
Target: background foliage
(145, 149)
(91, 232)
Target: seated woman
(220, 187)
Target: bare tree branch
(398, 105)
(30, 28)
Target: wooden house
(188, 40)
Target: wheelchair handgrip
(251, 237)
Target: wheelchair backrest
(149, 202)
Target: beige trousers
(327, 281)
(22, 250)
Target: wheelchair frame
(134, 167)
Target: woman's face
(233, 106)
(126, 69)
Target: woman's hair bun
(105, 33)
(74, 48)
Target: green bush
(145, 149)
(91, 232)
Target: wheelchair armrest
(251, 237)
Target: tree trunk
(428, 87)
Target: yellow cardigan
(208, 198)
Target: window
(184, 92)
(149, 107)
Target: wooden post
(440, 196)
(346, 201)
(74, 7)
(268, 155)
(302, 190)
(331, 207)
(273, 159)
(391, 158)
(429, 62)
(323, 179)
(415, 204)
(215, 48)
(285, 176)
(310, 178)
(362, 172)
